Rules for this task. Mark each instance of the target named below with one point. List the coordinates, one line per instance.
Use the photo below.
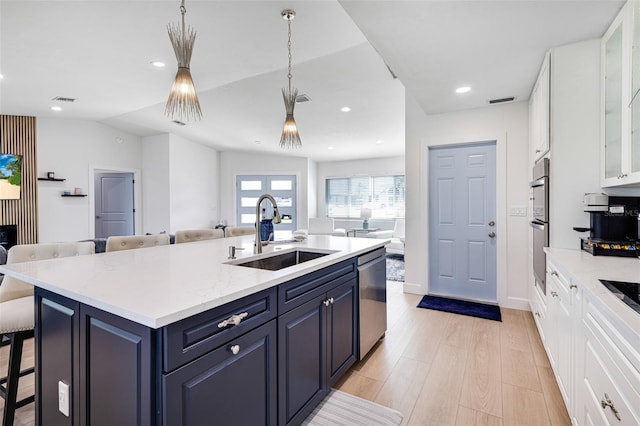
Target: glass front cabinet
(621, 100)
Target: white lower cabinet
(610, 384)
(560, 330)
(596, 367)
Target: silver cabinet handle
(235, 349)
(331, 300)
(573, 286)
(537, 314)
(554, 294)
(606, 402)
(326, 302)
(538, 151)
(492, 234)
(554, 273)
(233, 319)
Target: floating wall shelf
(73, 195)
(52, 179)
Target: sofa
(396, 246)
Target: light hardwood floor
(438, 368)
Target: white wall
(233, 163)
(369, 167)
(193, 170)
(508, 125)
(70, 148)
(575, 138)
(155, 184)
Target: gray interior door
(462, 228)
(114, 204)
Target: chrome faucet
(257, 245)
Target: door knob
(492, 234)
(492, 223)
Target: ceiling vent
(63, 99)
(303, 98)
(179, 123)
(501, 100)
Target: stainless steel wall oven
(540, 222)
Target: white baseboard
(413, 288)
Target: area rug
(395, 267)
(342, 409)
(461, 307)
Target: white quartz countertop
(586, 270)
(158, 286)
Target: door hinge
(133, 181)
(134, 210)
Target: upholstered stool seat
(190, 235)
(16, 315)
(130, 242)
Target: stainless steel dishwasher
(372, 279)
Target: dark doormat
(462, 307)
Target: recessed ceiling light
(158, 64)
(345, 109)
(330, 148)
(56, 108)
(379, 142)
(463, 89)
(1, 76)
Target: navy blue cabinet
(266, 359)
(317, 339)
(232, 385)
(105, 360)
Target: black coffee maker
(613, 227)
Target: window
(385, 196)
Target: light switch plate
(63, 398)
(518, 211)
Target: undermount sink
(275, 262)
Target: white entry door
(114, 204)
(462, 221)
(283, 189)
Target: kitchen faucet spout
(257, 245)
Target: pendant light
(290, 137)
(183, 100)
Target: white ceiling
(100, 52)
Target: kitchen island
(181, 335)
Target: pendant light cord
(183, 11)
(289, 48)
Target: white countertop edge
(280, 276)
(586, 270)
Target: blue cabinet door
(232, 385)
(301, 360)
(341, 330)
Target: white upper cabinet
(539, 113)
(620, 103)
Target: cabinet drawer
(190, 338)
(300, 290)
(605, 383)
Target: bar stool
(190, 235)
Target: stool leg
(13, 376)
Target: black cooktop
(629, 293)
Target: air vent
(179, 123)
(501, 100)
(63, 99)
(303, 98)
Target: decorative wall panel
(18, 136)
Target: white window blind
(385, 195)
